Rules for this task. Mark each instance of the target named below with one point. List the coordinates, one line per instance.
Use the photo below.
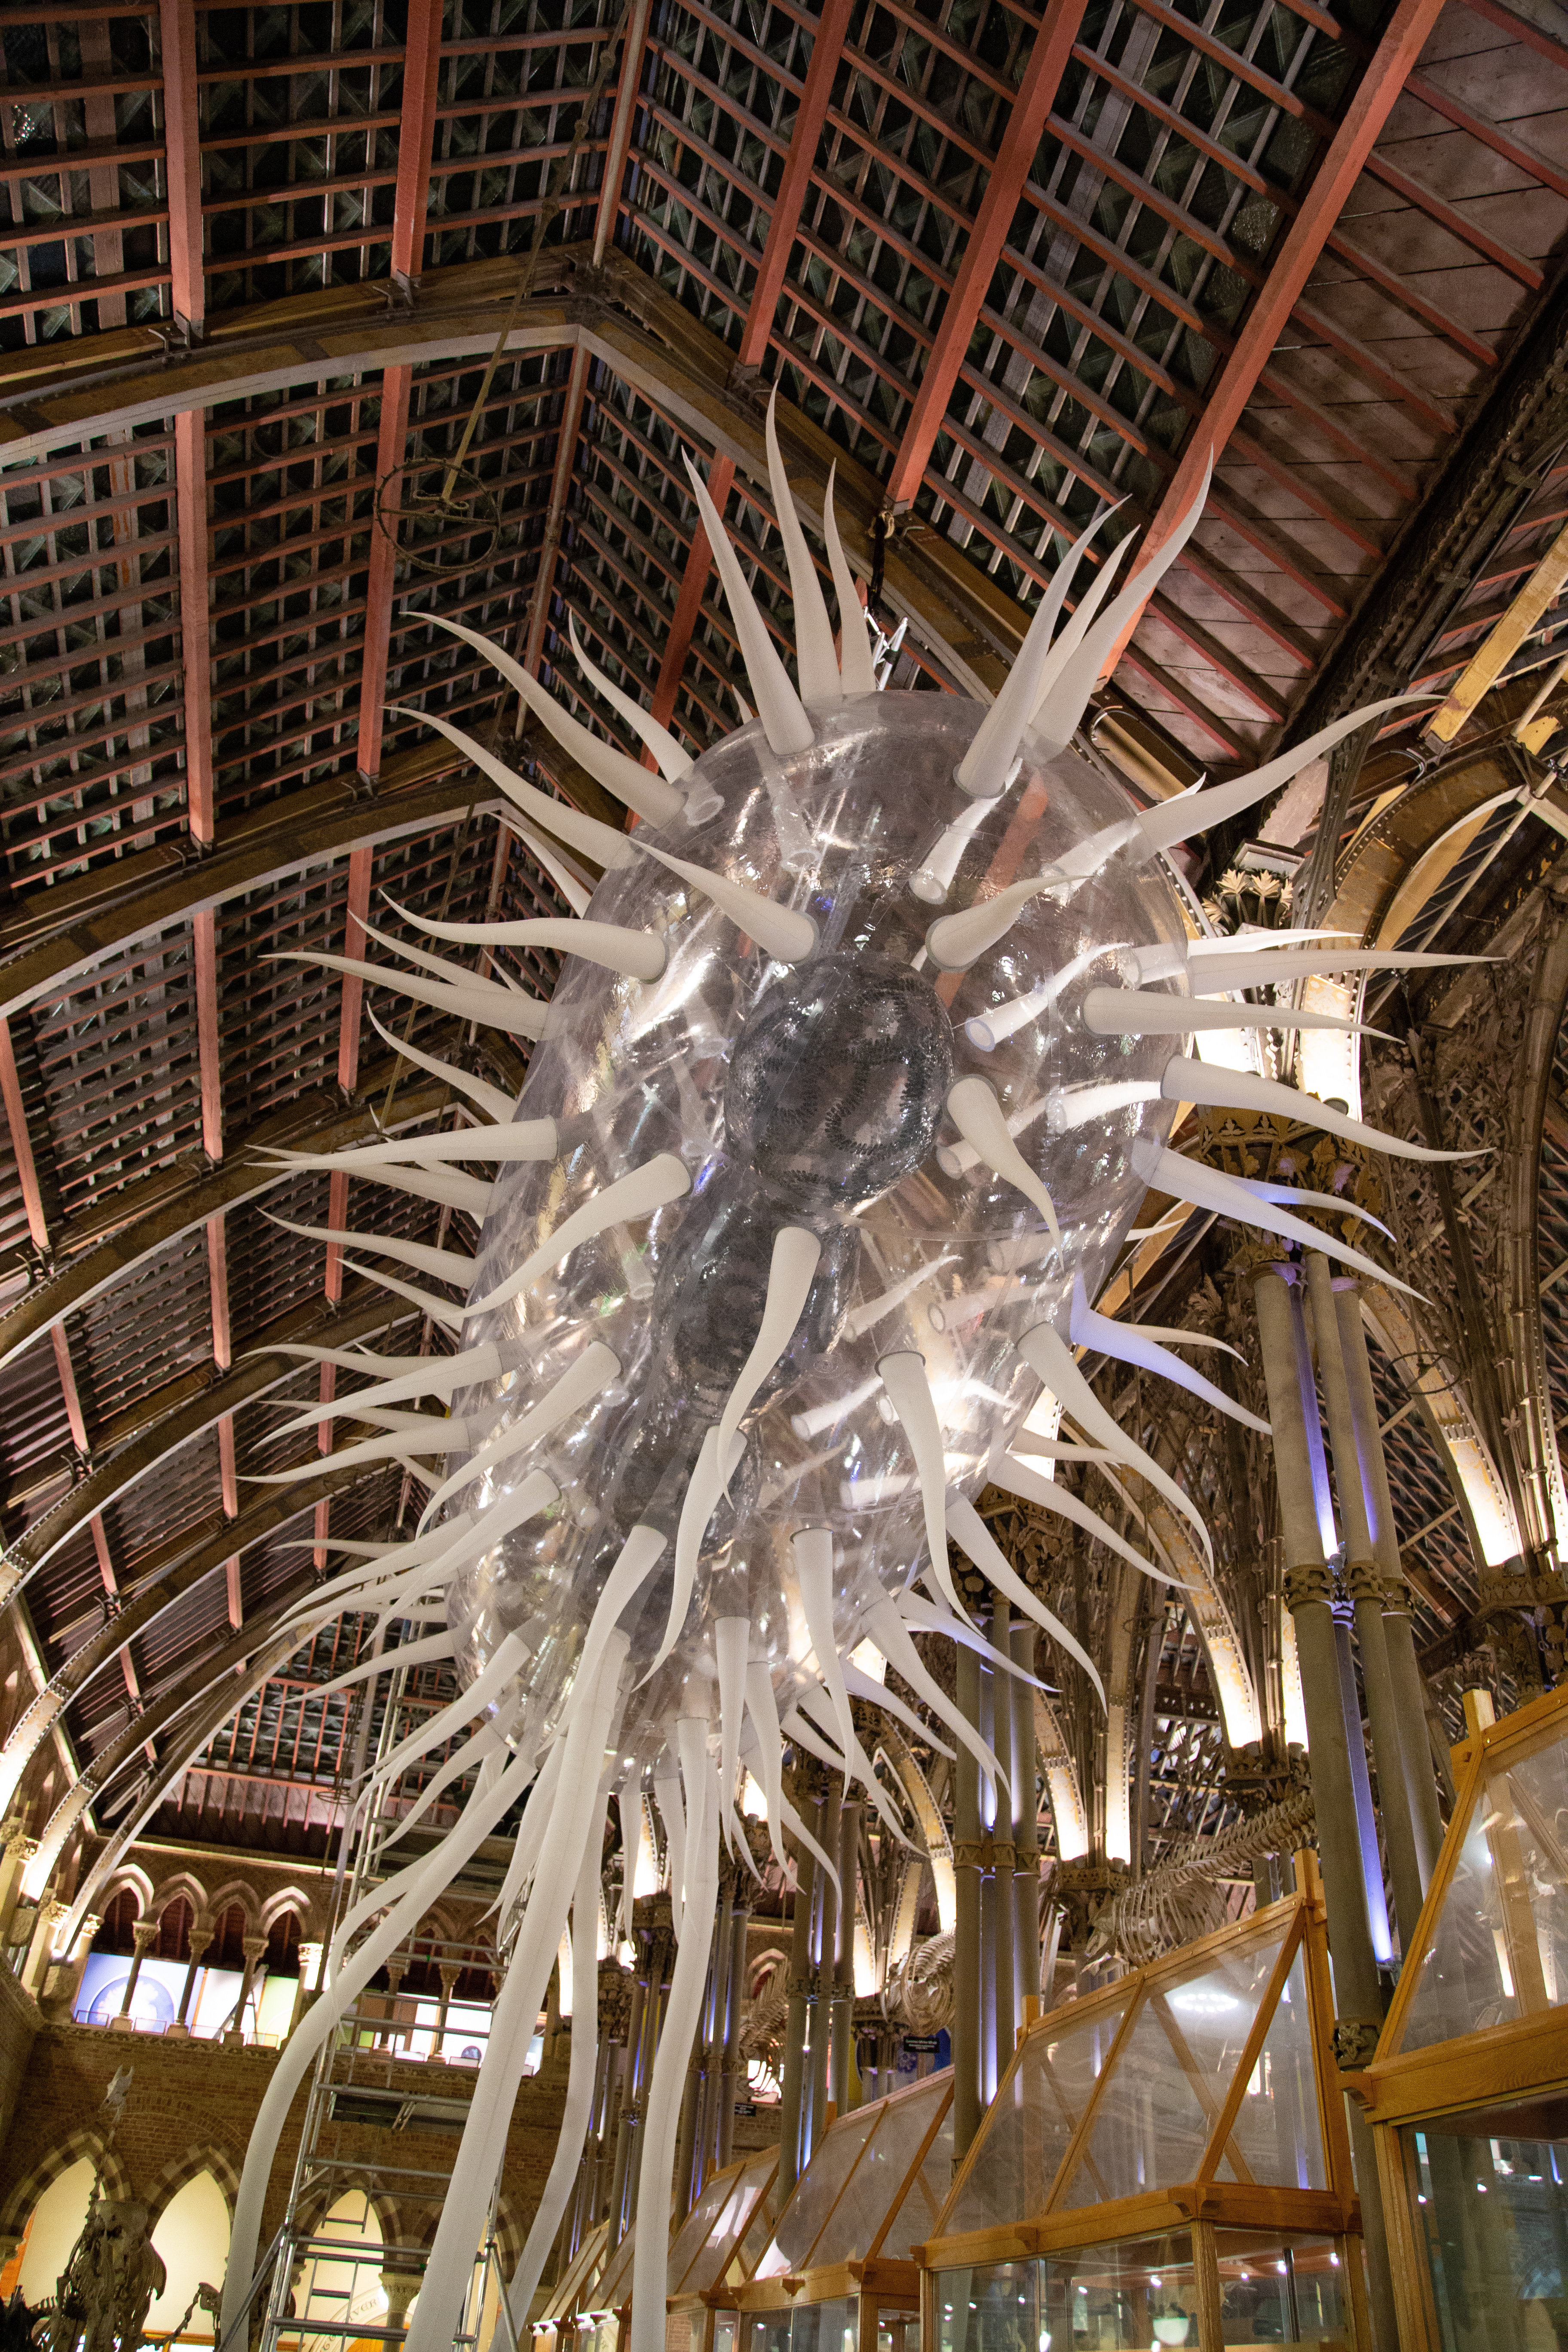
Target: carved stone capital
(1314, 1580)
(143, 1935)
(1355, 2038)
(1363, 1581)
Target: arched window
(344, 2287)
(192, 2236)
(122, 1915)
(53, 2229)
(283, 1945)
(175, 1925)
(226, 1949)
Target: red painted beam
(1020, 144)
(21, 1141)
(1396, 57)
(182, 135)
(784, 220)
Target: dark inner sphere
(836, 1086)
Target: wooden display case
(1468, 2091)
(1165, 2162)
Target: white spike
(861, 1319)
(1225, 1196)
(784, 717)
(1076, 662)
(976, 1539)
(639, 1193)
(444, 1186)
(820, 685)
(812, 1551)
(1128, 1345)
(932, 879)
(440, 1310)
(649, 795)
(986, 766)
(953, 942)
(706, 1485)
(448, 1265)
(862, 1685)
(1185, 1080)
(1177, 820)
(488, 1099)
(1068, 692)
(439, 1376)
(975, 1112)
(778, 931)
(928, 1612)
(674, 764)
(958, 1159)
(579, 1387)
(524, 1138)
(1004, 1470)
(1337, 1203)
(1266, 968)
(819, 1417)
(1070, 1107)
(456, 975)
(395, 1446)
(581, 2067)
(986, 1031)
(1247, 942)
(791, 1273)
(634, 1564)
(904, 1378)
(732, 1642)
(892, 1636)
(671, 1806)
(636, 955)
(858, 1766)
(1146, 1012)
(761, 1709)
(551, 856)
(435, 1646)
(1047, 1353)
(856, 665)
(600, 841)
(480, 1000)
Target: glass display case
(555, 2329)
(1166, 2162)
(840, 2275)
(713, 2251)
(1468, 2089)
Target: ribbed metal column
(967, 1989)
(1025, 1825)
(824, 1946)
(792, 2088)
(1363, 1581)
(1004, 1991)
(1409, 1685)
(844, 1956)
(1308, 1594)
(731, 2078)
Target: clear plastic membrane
(810, 1094)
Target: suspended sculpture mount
(866, 1048)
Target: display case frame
(875, 2282)
(1508, 2069)
(1203, 2202)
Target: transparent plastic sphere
(810, 1094)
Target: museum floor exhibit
(784, 1040)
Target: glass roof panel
(1156, 2113)
(1032, 2120)
(1498, 1947)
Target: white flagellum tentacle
(1055, 686)
(674, 764)
(654, 1185)
(1178, 820)
(650, 2254)
(423, 1883)
(861, 1319)
(563, 2173)
(1048, 1354)
(1226, 1196)
(1188, 1081)
(478, 1000)
(649, 795)
(510, 1142)
(575, 1820)
(784, 721)
(932, 877)
(821, 688)
(953, 942)
(1126, 1345)
(974, 1539)
(903, 1375)
(636, 955)
(1274, 968)
(672, 1807)
(792, 1270)
(439, 1376)
(454, 1266)
(704, 1489)
(1144, 1013)
(862, 1685)
(986, 1031)
(892, 1636)
(986, 766)
(1339, 1204)
(440, 1310)
(602, 842)
(778, 931)
(856, 666)
(973, 1108)
(488, 1098)
(812, 1551)
(731, 1640)
(578, 1387)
